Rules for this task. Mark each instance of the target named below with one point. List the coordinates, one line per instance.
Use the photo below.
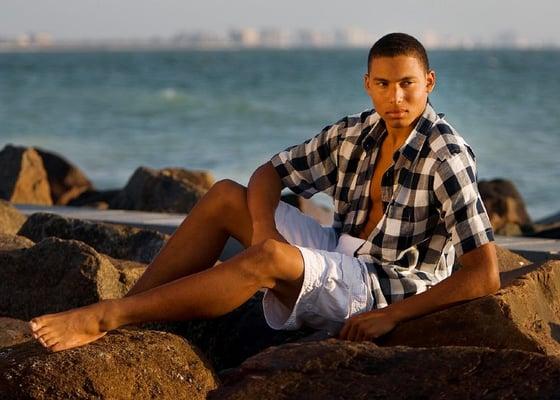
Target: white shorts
(335, 284)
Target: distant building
(245, 37)
(274, 38)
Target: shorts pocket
(333, 301)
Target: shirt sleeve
(310, 167)
(460, 203)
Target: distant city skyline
(437, 22)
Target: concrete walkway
(534, 249)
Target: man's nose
(396, 94)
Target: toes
(50, 342)
(57, 347)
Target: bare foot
(73, 328)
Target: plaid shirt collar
(374, 134)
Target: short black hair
(399, 44)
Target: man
(406, 202)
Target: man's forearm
(478, 277)
(263, 195)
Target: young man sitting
(406, 205)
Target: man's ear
(366, 83)
(430, 80)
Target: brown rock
(347, 370)
(114, 240)
(11, 242)
(55, 275)
(172, 190)
(11, 219)
(66, 180)
(23, 178)
(125, 364)
(13, 331)
(505, 206)
(524, 315)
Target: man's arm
(263, 195)
(479, 276)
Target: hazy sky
(535, 20)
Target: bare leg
(210, 293)
(199, 240)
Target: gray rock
(523, 315)
(125, 364)
(65, 179)
(13, 331)
(23, 178)
(172, 190)
(55, 275)
(114, 240)
(336, 369)
(11, 219)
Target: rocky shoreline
(502, 346)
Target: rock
(11, 219)
(117, 241)
(23, 178)
(319, 213)
(510, 261)
(66, 180)
(523, 315)
(505, 206)
(336, 369)
(11, 242)
(173, 190)
(125, 364)
(13, 331)
(55, 275)
(99, 199)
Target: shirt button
(308, 307)
(329, 285)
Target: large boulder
(11, 219)
(172, 190)
(55, 275)
(23, 178)
(336, 369)
(117, 241)
(523, 315)
(125, 364)
(66, 180)
(13, 331)
(505, 206)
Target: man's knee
(228, 195)
(271, 261)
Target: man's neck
(397, 137)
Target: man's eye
(381, 84)
(406, 83)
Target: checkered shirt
(432, 207)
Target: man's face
(399, 88)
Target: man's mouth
(396, 113)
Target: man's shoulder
(445, 142)
(352, 125)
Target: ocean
(229, 111)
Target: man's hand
(368, 326)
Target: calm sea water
(229, 111)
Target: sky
(534, 20)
